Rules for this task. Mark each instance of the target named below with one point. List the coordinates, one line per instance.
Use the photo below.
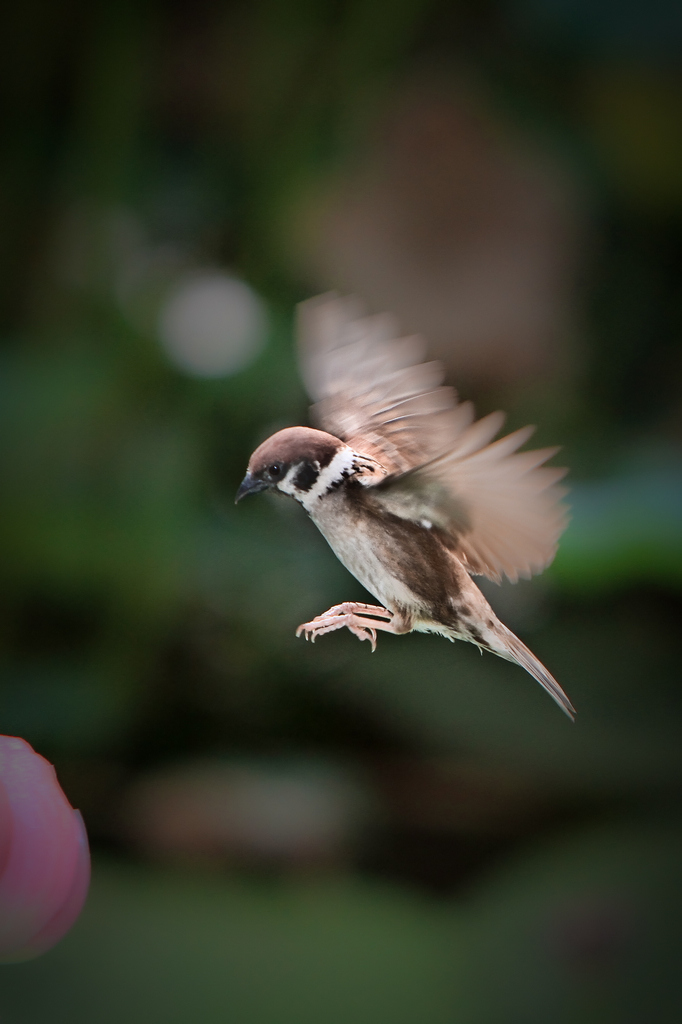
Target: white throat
(339, 469)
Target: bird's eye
(275, 469)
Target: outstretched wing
(500, 509)
(372, 389)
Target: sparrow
(412, 494)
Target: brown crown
(294, 444)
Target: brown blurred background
(286, 833)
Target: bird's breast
(367, 550)
(405, 564)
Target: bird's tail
(514, 649)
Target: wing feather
(500, 508)
(372, 388)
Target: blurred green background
(287, 833)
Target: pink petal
(5, 826)
(46, 873)
(57, 927)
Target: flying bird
(412, 494)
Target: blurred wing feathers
(372, 389)
(500, 509)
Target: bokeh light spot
(212, 324)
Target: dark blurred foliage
(417, 835)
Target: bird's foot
(353, 616)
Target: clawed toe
(327, 624)
(363, 621)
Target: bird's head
(298, 461)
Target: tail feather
(515, 650)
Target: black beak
(250, 485)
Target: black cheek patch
(306, 477)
